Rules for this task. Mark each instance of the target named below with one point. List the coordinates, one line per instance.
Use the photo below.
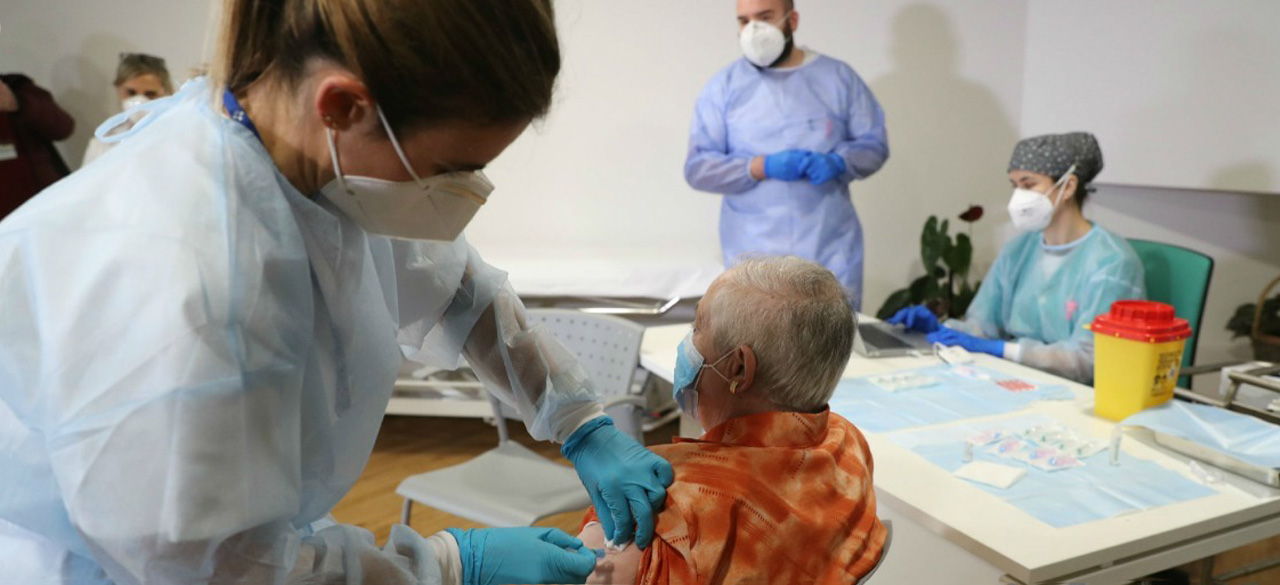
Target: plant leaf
(897, 301)
(961, 256)
(930, 249)
(919, 289)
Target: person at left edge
(199, 333)
(781, 133)
(30, 122)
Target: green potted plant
(1260, 323)
(945, 287)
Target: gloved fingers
(664, 476)
(663, 471)
(644, 516)
(620, 509)
(560, 538)
(571, 566)
(901, 317)
(603, 512)
(944, 335)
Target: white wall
(605, 170)
(72, 47)
(1181, 93)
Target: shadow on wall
(1246, 225)
(950, 140)
(85, 89)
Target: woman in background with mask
(1054, 278)
(199, 335)
(140, 78)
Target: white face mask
(133, 102)
(436, 208)
(762, 42)
(1032, 211)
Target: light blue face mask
(689, 363)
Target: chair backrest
(1179, 277)
(608, 347)
(884, 552)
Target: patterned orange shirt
(777, 497)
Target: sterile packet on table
(987, 437)
(1009, 448)
(992, 474)
(903, 381)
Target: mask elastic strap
(329, 134)
(1062, 183)
(399, 152)
(711, 366)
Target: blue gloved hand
(948, 336)
(492, 556)
(821, 168)
(627, 482)
(786, 165)
(916, 318)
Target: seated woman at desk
(779, 489)
(1054, 278)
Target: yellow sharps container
(1137, 354)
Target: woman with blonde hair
(199, 336)
(140, 78)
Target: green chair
(1179, 277)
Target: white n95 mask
(1032, 211)
(436, 208)
(762, 43)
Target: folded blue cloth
(1230, 433)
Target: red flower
(974, 213)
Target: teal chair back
(1179, 277)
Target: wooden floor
(410, 445)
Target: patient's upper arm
(617, 567)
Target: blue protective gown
(821, 106)
(1040, 297)
(195, 359)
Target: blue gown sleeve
(1072, 358)
(868, 148)
(709, 166)
(525, 367)
(984, 315)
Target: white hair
(795, 315)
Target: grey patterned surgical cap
(1053, 155)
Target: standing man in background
(781, 133)
(30, 122)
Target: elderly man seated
(778, 490)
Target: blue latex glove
(786, 165)
(627, 482)
(948, 336)
(821, 168)
(917, 318)
(492, 556)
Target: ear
(1069, 188)
(342, 102)
(745, 369)
(795, 21)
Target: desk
(948, 531)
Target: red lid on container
(1141, 321)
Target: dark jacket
(32, 130)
